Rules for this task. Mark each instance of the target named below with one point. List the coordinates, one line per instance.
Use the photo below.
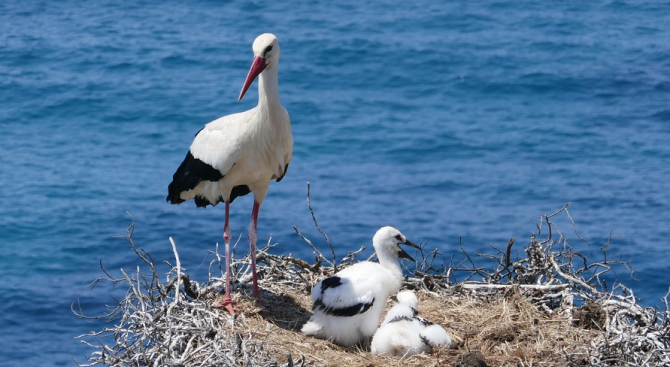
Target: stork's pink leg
(251, 235)
(227, 301)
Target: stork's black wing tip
(173, 196)
(190, 173)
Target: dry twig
(551, 306)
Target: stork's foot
(228, 305)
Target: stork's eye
(399, 238)
(267, 49)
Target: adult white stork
(240, 153)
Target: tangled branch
(172, 322)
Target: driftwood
(172, 323)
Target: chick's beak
(411, 244)
(404, 255)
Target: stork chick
(348, 305)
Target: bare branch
(155, 324)
(309, 205)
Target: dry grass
(506, 328)
(523, 313)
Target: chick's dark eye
(399, 238)
(267, 49)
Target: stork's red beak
(257, 66)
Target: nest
(549, 308)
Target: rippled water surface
(453, 122)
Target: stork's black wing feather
(353, 310)
(337, 306)
(190, 173)
(284, 174)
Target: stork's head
(408, 298)
(387, 240)
(266, 53)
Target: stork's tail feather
(311, 328)
(190, 173)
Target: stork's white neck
(391, 263)
(268, 91)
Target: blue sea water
(457, 122)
